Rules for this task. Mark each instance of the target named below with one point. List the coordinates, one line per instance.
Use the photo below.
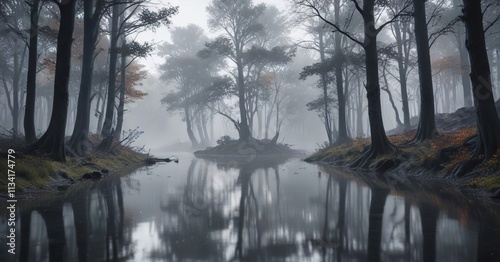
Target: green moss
(488, 182)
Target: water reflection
(263, 210)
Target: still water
(260, 210)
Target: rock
(93, 175)
(104, 171)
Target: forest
(250, 130)
(71, 68)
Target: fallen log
(154, 160)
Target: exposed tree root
(369, 155)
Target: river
(261, 209)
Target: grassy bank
(36, 173)
(434, 158)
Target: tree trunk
(402, 59)
(244, 130)
(16, 88)
(52, 142)
(121, 104)
(113, 57)
(391, 100)
(487, 117)
(101, 111)
(90, 35)
(464, 62)
(29, 114)
(324, 84)
(426, 126)
(359, 112)
(343, 137)
(380, 145)
(189, 128)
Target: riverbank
(35, 175)
(433, 159)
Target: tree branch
(356, 4)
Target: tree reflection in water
(259, 210)
(77, 226)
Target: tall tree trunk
(464, 61)
(324, 84)
(29, 116)
(379, 143)
(91, 19)
(100, 111)
(487, 117)
(16, 87)
(244, 130)
(52, 142)
(121, 104)
(402, 59)
(113, 57)
(426, 125)
(343, 136)
(189, 128)
(359, 111)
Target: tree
(188, 74)
(92, 16)
(127, 18)
(339, 58)
(29, 113)
(426, 125)
(113, 56)
(239, 20)
(52, 142)
(13, 53)
(464, 61)
(404, 39)
(131, 51)
(379, 143)
(488, 123)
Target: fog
(301, 123)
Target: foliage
(134, 74)
(151, 19)
(224, 140)
(318, 104)
(136, 49)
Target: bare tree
(379, 143)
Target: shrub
(223, 140)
